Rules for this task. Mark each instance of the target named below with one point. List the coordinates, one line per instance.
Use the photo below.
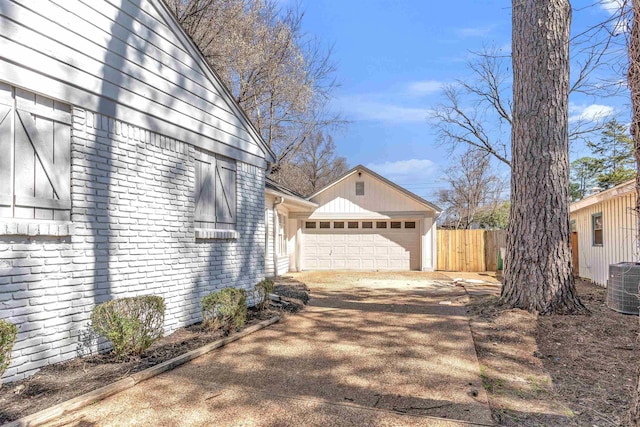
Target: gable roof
(619, 190)
(215, 78)
(129, 60)
(277, 189)
(361, 168)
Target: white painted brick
(132, 234)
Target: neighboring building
(604, 231)
(361, 221)
(126, 168)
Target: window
(310, 224)
(410, 224)
(396, 224)
(35, 153)
(596, 225)
(282, 235)
(381, 224)
(359, 188)
(574, 227)
(325, 224)
(215, 191)
(338, 224)
(353, 224)
(367, 224)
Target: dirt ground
(370, 349)
(63, 381)
(556, 370)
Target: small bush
(225, 309)
(131, 324)
(8, 334)
(261, 293)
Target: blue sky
(393, 58)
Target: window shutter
(5, 157)
(225, 191)
(42, 180)
(205, 188)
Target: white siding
(272, 239)
(269, 270)
(124, 60)
(619, 236)
(341, 202)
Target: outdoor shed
(360, 221)
(126, 168)
(604, 230)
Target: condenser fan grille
(622, 289)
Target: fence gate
(469, 250)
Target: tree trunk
(537, 275)
(633, 78)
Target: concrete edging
(94, 396)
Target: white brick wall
(131, 233)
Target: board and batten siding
(341, 202)
(620, 242)
(126, 59)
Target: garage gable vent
(359, 188)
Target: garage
(361, 221)
(361, 245)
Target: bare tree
(476, 111)
(281, 77)
(472, 189)
(314, 165)
(537, 274)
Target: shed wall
(619, 237)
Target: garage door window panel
(410, 224)
(367, 224)
(396, 224)
(381, 224)
(353, 224)
(325, 224)
(338, 224)
(310, 224)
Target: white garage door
(335, 246)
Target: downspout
(275, 234)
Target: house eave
(617, 191)
(292, 201)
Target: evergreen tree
(614, 154)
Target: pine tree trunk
(633, 78)
(537, 275)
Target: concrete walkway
(372, 349)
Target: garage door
(361, 245)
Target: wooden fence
(469, 250)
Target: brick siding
(131, 233)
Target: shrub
(8, 334)
(261, 293)
(131, 324)
(226, 309)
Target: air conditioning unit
(622, 289)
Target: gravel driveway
(371, 349)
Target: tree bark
(633, 78)
(537, 274)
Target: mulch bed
(63, 381)
(557, 370)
